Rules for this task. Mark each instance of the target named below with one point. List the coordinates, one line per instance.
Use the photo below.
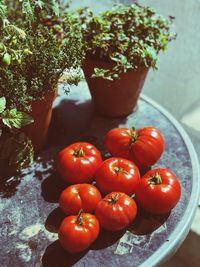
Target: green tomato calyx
(155, 179)
(133, 135)
(78, 152)
(113, 198)
(119, 169)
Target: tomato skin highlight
(142, 146)
(117, 175)
(116, 211)
(75, 237)
(158, 198)
(79, 197)
(78, 162)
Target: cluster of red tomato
(117, 178)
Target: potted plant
(38, 43)
(121, 45)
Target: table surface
(30, 216)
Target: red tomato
(79, 197)
(78, 162)
(158, 191)
(117, 174)
(116, 211)
(142, 146)
(77, 233)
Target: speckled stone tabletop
(30, 216)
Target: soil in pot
(114, 98)
(41, 113)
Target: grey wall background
(177, 83)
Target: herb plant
(128, 36)
(37, 45)
(38, 42)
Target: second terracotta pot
(114, 98)
(41, 113)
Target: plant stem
(80, 220)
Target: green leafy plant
(38, 42)
(127, 36)
(37, 46)
(15, 147)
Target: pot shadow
(74, 121)
(52, 187)
(55, 256)
(69, 120)
(146, 223)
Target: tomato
(142, 146)
(116, 211)
(79, 197)
(158, 191)
(117, 174)
(6, 59)
(77, 233)
(78, 162)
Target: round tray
(30, 216)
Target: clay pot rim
(38, 106)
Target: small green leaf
(26, 8)
(15, 119)
(55, 7)
(2, 104)
(39, 3)
(3, 9)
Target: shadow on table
(9, 180)
(69, 120)
(56, 256)
(52, 187)
(54, 220)
(73, 121)
(146, 223)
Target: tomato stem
(80, 220)
(155, 179)
(119, 169)
(78, 152)
(113, 198)
(133, 135)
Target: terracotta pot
(41, 113)
(114, 98)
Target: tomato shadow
(54, 220)
(106, 239)
(56, 256)
(146, 223)
(52, 187)
(143, 171)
